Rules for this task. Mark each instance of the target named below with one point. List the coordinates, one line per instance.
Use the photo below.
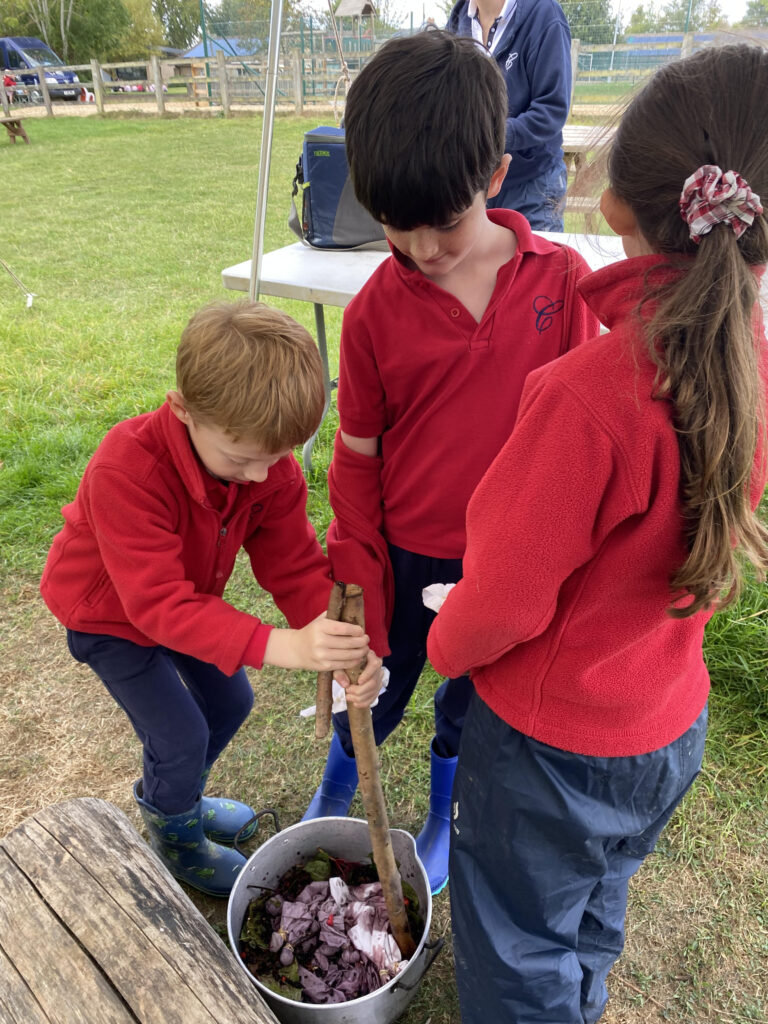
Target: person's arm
(355, 543)
(549, 77)
(362, 445)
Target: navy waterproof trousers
(183, 710)
(408, 646)
(543, 844)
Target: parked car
(128, 79)
(20, 54)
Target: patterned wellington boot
(181, 844)
(223, 818)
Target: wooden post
(223, 83)
(98, 85)
(45, 91)
(298, 82)
(157, 80)
(367, 757)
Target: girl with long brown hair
(617, 519)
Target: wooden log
(94, 928)
(367, 757)
(324, 697)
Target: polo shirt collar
(499, 26)
(507, 9)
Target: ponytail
(703, 332)
(702, 340)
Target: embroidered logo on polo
(510, 61)
(545, 310)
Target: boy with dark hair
(138, 571)
(434, 352)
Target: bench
(582, 204)
(94, 930)
(579, 139)
(15, 128)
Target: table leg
(327, 385)
(16, 130)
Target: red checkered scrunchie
(713, 196)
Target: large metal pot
(348, 838)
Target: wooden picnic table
(579, 139)
(15, 128)
(95, 930)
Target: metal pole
(205, 49)
(270, 93)
(615, 33)
(688, 15)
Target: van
(20, 54)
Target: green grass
(603, 92)
(121, 227)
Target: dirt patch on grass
(697, 945)
(61, 734)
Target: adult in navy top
(531, 42)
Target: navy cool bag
(330, 216)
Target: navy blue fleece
(534, 55)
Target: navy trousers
(408, 646)
(183, 710)
(541, 201)
(543, 844)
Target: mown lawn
(121, 227)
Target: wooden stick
(324, 698)
(366, 755)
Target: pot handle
(434, 948)
(247, 825)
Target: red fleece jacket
(572, 536)
(145, 553)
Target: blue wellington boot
(335, 792)
(433, 841)
(223, 818)
(180, 843)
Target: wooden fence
(229, 83)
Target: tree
(144, 35)
(247, 21)
(591, 21)
(75, 29)
(53, 19)
(643, 20)
(756, 15)
(15, 19)
(390, 15)
(180, 20)
(690, 15)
